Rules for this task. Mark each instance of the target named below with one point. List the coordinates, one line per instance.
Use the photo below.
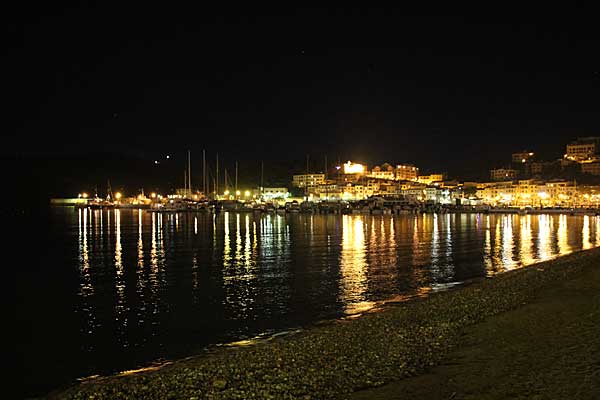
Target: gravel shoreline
(333, 360)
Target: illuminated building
(503, 174)
(530, 193)
(275, 193)
(429, 179)
(522, 157)
(354, 168)
(385, 171)
(582, 148)
(307, 180)
(406, 172)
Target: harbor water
(114, 290)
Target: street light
(118, 195)
(247, 193)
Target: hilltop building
(584, 148)
(503, 174)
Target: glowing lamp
(247, 193)
(118, 195)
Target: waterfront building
(503, 174)
(269, 193)
(529, 193)
(307, 180)
(406, 172)
(328, 190)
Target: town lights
(247, 193)
(352, 168)
(237, 192)
(118, 195)
(226, 193)
(153, 195)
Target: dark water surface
(114, 290)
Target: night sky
(456, 94)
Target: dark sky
(451, 93)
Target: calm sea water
(114, 290)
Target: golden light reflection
(353, 265)
(435, 241)
(487, 248)
(120, 306)
(85, 288)
(597, 231)
(544, 238)
(254, 240)
(585, 233)
(497, 240)
(118, 246)
(526, 240)
(238, 240)
(448, 228)
(247, 243)
(391, 242)
(141, 282)
(226, 244)
(83, 242)
(562, 235)
(507, 242)
(140, 244)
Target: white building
(308, 180)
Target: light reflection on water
(166, 285)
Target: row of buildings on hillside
(354, 181)
(581, 155)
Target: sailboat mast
(236, 178)
(217, 178)
(189, 174)
(262, 175)
(306, 185)
(204, 172)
